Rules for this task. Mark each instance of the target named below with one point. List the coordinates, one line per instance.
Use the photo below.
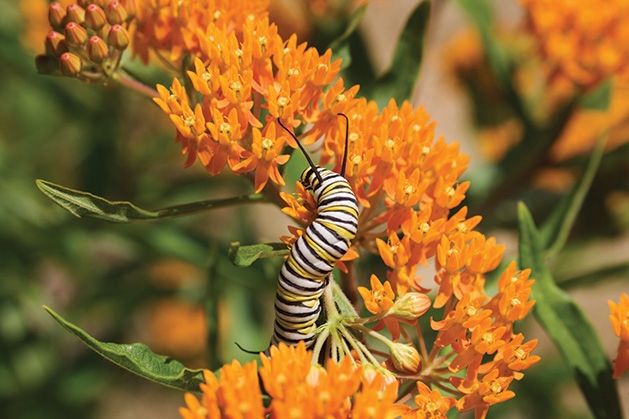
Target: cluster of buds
(87, 39)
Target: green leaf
(244, 256)
(139, 359)
(481, 14)
(399, 80)
(567, 326)
(618, 271)
(554, 232)
(341, 45)
(599, 98)
(342, 302)
(84, 204)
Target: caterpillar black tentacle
(307, 269)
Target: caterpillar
(306, 271)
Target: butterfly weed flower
(585, 42)
(619, 318)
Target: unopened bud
(97, 49)
(70, 64)
(75, 13)
(405, 357)
(118, 37)
(95, 17)
(116, 13)
(55, 44)
(410, 306)
(47, 64)
(131, 6)
(76, 35)
(56, 14)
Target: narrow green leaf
(555, 230)
(84, 204)
(341, 45)
(139, 359)
(481, 15)
(244, 256)
(567, 326)
(399, 80)
(619, 271)
(599, 98)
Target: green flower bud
(97, 49)
(405, 357)
(410, 306)
(76, 35)
(70, 64)
(56, 15)
(95, 17)
(118, 37)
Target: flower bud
(95, 17)
(75, 13)
(76, 35)
(118, 37)
(47, 64)
(405, 358)
(56, 14)
(70, 64)
(116, 13)
(55, 44)
(410, 306)
(97, 49)
(131, 6)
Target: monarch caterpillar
(306, 271)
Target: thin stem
(421, 340)
(141, 88)
(321, 339)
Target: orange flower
(587, 41)
(380, 298)
(236, 394)
(619, 318)
(430, 404)
(264, 157)
(481, 395)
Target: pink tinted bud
(131, 6)
(95, 17)
(55, 44)
(70, 64)
(118, 37)
(410, 306)
(97, 49)
(75, 13)
(56, 14)
(76, 35)
(116, 13)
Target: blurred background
(147, 281)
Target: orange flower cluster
(178, 28)
(585, 41)
(249, 78)
(619, 318)
(297, 388)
